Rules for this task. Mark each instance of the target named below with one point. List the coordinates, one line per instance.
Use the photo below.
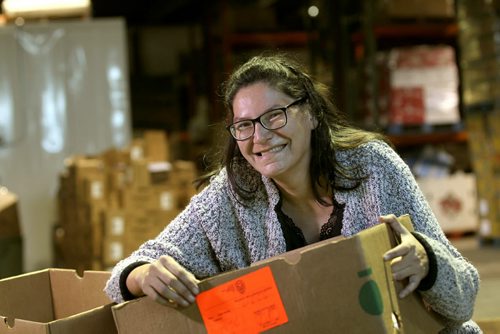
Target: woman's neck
(301, 194)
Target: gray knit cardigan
(217, 233)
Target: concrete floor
(487, 261)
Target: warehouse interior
(108, 110)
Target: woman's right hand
(165, 281)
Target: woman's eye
(274, 115)
(242, 126)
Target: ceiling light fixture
(44, 8)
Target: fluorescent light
(37, 8)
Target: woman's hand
(165, 281)
(408, 259)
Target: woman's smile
(270, 151)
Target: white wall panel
(63, 91)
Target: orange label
(246, 305)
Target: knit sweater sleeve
(185, 239)
(457, 281)
(454, 291)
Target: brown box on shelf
(420, 8)
(85, 169)
(156, 145)
(114, 222)
(490, 326)
(94, 189)
(184, 174)
(150, 198)
(424, 85)
(145, 173)
(113, 157)
(55, 301)
(450, 200)
(113, 250)
(476, 49)
(292, 292)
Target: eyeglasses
(273, 119)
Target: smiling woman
(291, 172)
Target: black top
(294, 237)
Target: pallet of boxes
(111, 203)
(479, 27)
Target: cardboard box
(334, 286)
(424, 85)
(156, 145)
(453, 200)
(420, 8)
(490, 326)
(55, 301)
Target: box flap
(73, 294)
(55, 301)
(96, 320)
(27, 296)
(19, 326)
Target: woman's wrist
(128, 283)
(428, 281)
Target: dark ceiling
(152, 11)
(172, 12)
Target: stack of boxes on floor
(110, 204)
(479, 27)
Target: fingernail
(196, 290)
(184, 303)
(191, 299)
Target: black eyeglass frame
(231, 127)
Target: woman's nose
(261, 133)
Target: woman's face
(281, 154)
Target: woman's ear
(314, 120)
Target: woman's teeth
(273, 150)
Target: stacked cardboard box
(423, 85)
(479, 27)
(484, 143)
(417, 86)
(112, 203)
(450, 200)
(421, 9)
(11, 254)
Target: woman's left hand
(408, 259)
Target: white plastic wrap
(63, 91)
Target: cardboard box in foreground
(54, 301)
(334, 286)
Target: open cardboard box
(55, 301)
(340, 285)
